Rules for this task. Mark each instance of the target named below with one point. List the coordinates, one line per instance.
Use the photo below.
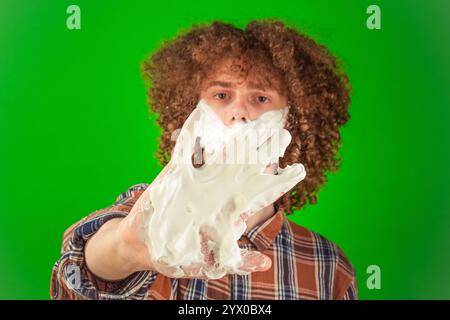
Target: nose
(237, 112)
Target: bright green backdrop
(75, 132)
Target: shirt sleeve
(71, 279)
(352, 291)
(345, 283)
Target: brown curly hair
(317, 90)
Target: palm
(200, 208)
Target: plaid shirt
(305, 265)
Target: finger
(208, 254)
(194, 271)
(185, 143)
(243, 217)
(168, 271)
(266, 189)
(255, 261)
(274, 147)
(271, 168)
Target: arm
(345, 283)
(71, 276)
(352, 291)
(110, 257)
(104, 256)
(118, 249)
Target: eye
(262, 99)
(221, 96)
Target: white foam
(186, 200)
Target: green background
(75, 130)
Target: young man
(241, 74)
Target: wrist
(132, 252)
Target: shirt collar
(263, 235)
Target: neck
(260, 217)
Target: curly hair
(317, 90)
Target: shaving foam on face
(190, 203)
(215, 134)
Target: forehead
(233, 72)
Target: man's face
(235, 98)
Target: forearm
(109, 257)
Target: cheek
(278, 105)
(220, 112)
(255, 113)
(215, 104)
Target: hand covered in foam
(195, 215)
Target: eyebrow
(251, 85)
(220, 84)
